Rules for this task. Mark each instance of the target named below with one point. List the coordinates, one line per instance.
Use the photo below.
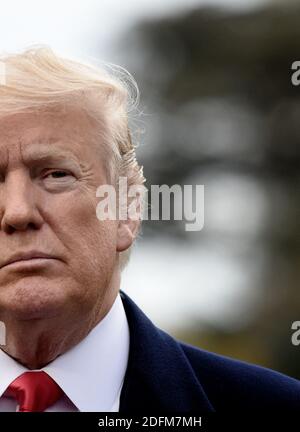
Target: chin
(27, 300)
(26, 312)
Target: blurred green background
(219, 109)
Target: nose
(18, 204)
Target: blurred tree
(220, 84)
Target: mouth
(29, 264)
(29, 259)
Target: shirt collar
(92, 372)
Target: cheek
(91, 243)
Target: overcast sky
(84, 28)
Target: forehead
(27, 133)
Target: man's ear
(127, 231)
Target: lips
(23, 256)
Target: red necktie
(34, 391)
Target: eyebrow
(48, 153)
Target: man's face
(50, 168)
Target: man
(74, 341)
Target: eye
(57, 174)
(56, 180)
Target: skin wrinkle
(51, 308)
(96, 131)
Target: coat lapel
(158, 376)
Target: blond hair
(37, 79)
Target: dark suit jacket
(166, 375)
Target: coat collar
(158, 376)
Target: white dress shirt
(91, 373)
